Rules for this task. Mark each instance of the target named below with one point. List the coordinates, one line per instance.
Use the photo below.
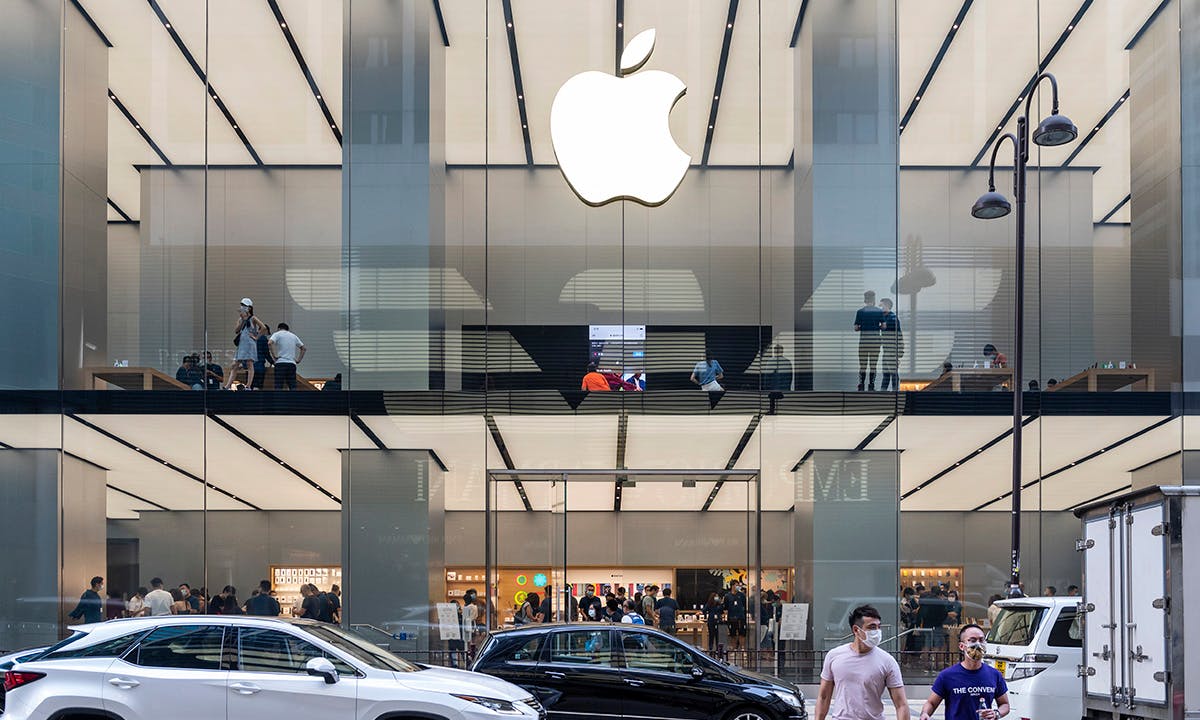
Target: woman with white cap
(245, 337)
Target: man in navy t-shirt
(972, 690)
(867, 323)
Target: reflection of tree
(916, 278)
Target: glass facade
(777, 375)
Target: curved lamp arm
(1016, 160)
(1053, 93)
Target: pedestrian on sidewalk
(969, 688)
(856, 674)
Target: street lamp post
(1054, 130)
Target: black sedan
(601, 671)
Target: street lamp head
(990, 205)
(1055, 130)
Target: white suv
(244, 668)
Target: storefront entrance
(689, 533)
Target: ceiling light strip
(620, 43)
(1145, 465)
(124, 215)
(1080, 461)
(497, 438)
(517, 83)
(122, 441)
(726, 41)
(1116, 208)
(141, 130)
(1146, 25)
(308, 76)
(799, 23)
(1098, 498)
(874, 433)
(273, 457)
(737, 454)
(441, 20)
(937, 61)
(1062, 39)
(139, 498)
(622, 439)
(366, 430)
(1079, 146)
(212, 91)
(974, 453)
(90, 21)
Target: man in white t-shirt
(158, 601)
(855, 675)
(288, 351)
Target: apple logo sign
(612, 135)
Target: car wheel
(747, 713)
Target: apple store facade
(609, 292)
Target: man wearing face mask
(590, 607)
(970, 688)
(855, 675)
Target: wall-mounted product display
(287, 579)
(949, 577)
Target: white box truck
(1139, 583)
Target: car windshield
(359, 648)
(1016, 625)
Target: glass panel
(651, 652)
(583, 647)
(184, 647)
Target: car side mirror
(321, 667)
(697, 672)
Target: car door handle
(124, 683)
(244, 688)
(634, 683)
(555, 675)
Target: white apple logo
(611, 134)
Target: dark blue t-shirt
(868, 320)
(961, 689)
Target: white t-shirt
(859, 681)
(287, 346)
(159, 601)
(134, 606)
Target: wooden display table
(133, 378)
(1107, 380)
(971, 380)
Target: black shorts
(737, 627)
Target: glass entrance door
(679, 549)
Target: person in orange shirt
(999, 359)
(594, 381)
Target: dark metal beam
(1058, 44)
(497, 438)
(799, 23)
(124, 215)
(273, 457)
(937, 62)
(737, 453)
(1116, 207)
(138, 127)
(212, 91)
(441, 19)
(151, 456)
(720, 84)
(875, 433)
(92, 23)
(366, 430)
(139, 498)
(1080, 461)
(620, 37)
(308, 76)
(1146, 25)
(974, 453)
(1099, 497)
(622, 440)
(517, 82)
(1120, 103)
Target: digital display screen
(619, 353)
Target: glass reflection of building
(380, 176)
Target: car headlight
(1023, 673)
(788, 697)
(503, 707)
